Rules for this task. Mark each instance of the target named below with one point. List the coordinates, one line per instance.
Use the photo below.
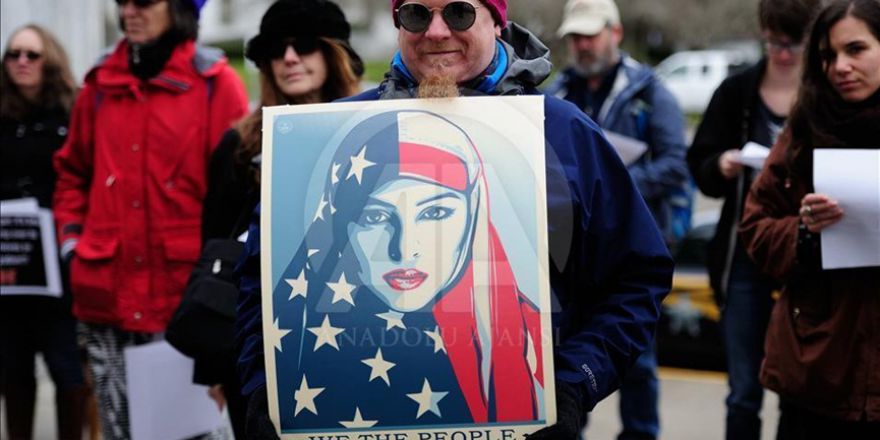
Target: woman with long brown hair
(821, 347)
(304, 57)
(37, 91)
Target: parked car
(692, 76)
(689, 331)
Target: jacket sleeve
(621, 269)
(667, 169)
(249, 314)
(229, 103)
(718, 132)
(74, 164)
(769, 227)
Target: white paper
(852, 177)
(19, 206)
(753, 155)
(28, 207)
(163, 403)
(629, 149)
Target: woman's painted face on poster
(408, 241)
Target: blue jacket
(640, 107)
(610, 268)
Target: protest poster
(28, 256)
(405, 269)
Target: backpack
(680, 199)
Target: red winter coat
(131, 179)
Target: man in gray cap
(625, 98)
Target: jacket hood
(187, 60)
(529, 58)
(525, 64)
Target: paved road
(691, 408)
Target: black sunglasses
(301, 45)
(138, 3)
(416, 17)
(15, 54)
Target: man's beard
(438, 84)
(599, 64)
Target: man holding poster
(389, 172)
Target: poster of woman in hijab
(405, 243)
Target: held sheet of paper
(852, 177)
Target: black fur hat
(293, 18)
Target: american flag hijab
(350, 359)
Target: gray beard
(592, 70)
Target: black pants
(797, 423)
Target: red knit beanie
(498, 8)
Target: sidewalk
(691, 408)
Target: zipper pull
(218, 264)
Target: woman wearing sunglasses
(131, 183)
(304, 57)
(36, 92)
(822, 342)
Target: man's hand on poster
(258, 425)
(569, 415)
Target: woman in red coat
(131, 180)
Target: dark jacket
(26, 149)
(823, 342)
(231, 191)
(727, 124)
(609, 270)
(640, 107)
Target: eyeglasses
(138, 3)
(15, 54)
(301, 45)
(777, 47)
(416, 17)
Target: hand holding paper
(753, 155)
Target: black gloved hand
(258, 425)
(570, 415)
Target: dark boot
(20, 400)
(71, 405)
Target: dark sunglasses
(15, 54)
(301, 45)
(138, 3)
(416, 17)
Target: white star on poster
(358, 164)
(379, 367)
(275, 335)
(299, 286)
(319, 215)
(342, 290)
(305, 397)
(334, 175)
(326, 334)
(392, 319)
(358, 421)
(438, 340)
(428, 399)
